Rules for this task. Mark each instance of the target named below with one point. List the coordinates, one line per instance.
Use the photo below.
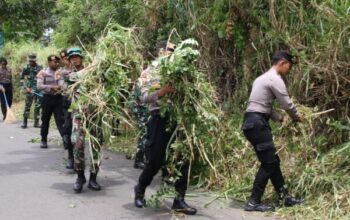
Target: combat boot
(70, 164)
(36, 123)
(253, 206)
(43, 144)
(81, 180)
(139, 201)
(179, 205)
(287, 200)
(25, 123)
(93, 185)
(139, 162)
(67, 143)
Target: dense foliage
(25, 19)
(105, 83)
(192, 108)
(235, 41)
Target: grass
(125, 142)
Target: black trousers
(257, 130)
(9, 95)
(157, 141)
(51, 104)
(67, 125)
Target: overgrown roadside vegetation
(236, 39)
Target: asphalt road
(35, 185)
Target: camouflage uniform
(80, 123)
(142, 114)
(29, 80)
(78, 140)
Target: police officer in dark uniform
(5, 86)
(256, 128)
(62, 75)
(159, 136)
(52, 99)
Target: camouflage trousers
(30, 98)
(142, 118)
(80, 128)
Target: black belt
(155, 112)
(52, 95)
(5, 84)
(257, 115)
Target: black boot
(93, 185)
(139, 201)
(287, 200)
(253, 206)
(181, 206)
(67, 143)
(25, 123)
(36, 123)
(139, 162)
(70, 164)
(43, 144)
(81, 180)
(290, 201)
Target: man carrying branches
(159, 137)
(83, 122)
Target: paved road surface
(34, 185)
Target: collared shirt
(150, 85)
(5, 75)
(46, 81)
(267, 88)
(62, 75)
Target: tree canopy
(25, 19)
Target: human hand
(300, 118)
(58, 75)
(57, 87)
(28, 90)
(166, 90)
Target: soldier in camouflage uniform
(28, 83)
(78, 133)
(142, 114)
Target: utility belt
(257, 115)
(48, 95)
(155, 112)
(6, 84)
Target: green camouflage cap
(32, 57)
(74, 51)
